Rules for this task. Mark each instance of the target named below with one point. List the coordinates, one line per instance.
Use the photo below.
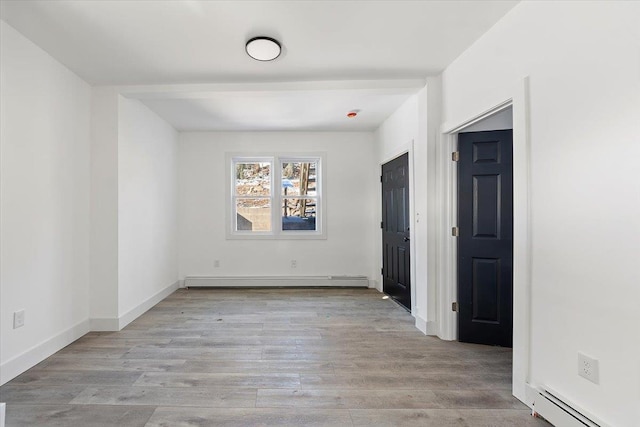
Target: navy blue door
(396, 258)
(485, 241)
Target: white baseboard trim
(530, 394)
(421, 324)
(36, 354)
(142, 308)
(114, 324)
(2, 413)
(105, 324)
(275, 281)
(427, 327)
(432, 328)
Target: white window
(275, 197)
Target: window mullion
(276, 193)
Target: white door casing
(522, 241)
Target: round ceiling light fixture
(263, 48)
(351, 114)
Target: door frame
(399, 151)
(446, 287)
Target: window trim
(277, 198)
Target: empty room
(319, 213)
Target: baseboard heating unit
(275, 281)
(558, 412)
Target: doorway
(396, 254)
(447, 217)
(485, 237)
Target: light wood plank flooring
(276, 357)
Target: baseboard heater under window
(558, 412)
(275, 281)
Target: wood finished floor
(277, 357)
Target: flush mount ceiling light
(263, 48)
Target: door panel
(486, 206)
(396, 257)
(485, 241)
(486, 283)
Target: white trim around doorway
(401, 150)
(522, 236)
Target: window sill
(279, 236)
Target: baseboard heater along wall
(275, 281)
(558, 412)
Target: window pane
(299, 214)
(253, 179)
(299, 178)
(253, 215)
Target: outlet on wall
(294, 263)
(588, 368)
(18, 319)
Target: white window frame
(277, 198)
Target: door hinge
(455, 156)
(381, 224)
(380, 178)
(454, 306)
(455, 231)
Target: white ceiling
(126, 42)
(299, 106)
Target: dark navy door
(485, 241)
(396, 258)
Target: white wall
(133, 209)
(104, 208)
(584, 70)
(398, 134)
(44, 240)
(147, 205)
(430, 106)
(413, 127)
(350, 186)
(499, 121)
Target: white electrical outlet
(588, 368)
(18, 319)
(216, 263)
(294, 263)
